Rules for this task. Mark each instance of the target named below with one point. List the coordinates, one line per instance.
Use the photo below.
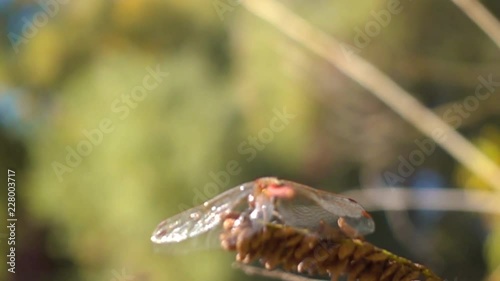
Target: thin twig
(438, 199)
(482, 17)
(276, 274)
(378, 84)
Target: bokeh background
(118, 114)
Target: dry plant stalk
(380, 85)
(328, 252)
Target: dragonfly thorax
(263, 208)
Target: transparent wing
(309, 207)
(200, 219)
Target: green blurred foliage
(225, 79)
(489, 142)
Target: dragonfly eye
(264, 183)
(280, 191)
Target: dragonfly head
(262, 200)
(274, 188)
(266, 191)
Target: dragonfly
(270, 200)
(303, 230)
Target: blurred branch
(482, 17)
(438, 199)
(275, 274)
(399, 199)
(378, 84)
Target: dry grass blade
(317, 254)
(482, 17)
(380, 85)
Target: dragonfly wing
(200, 219)
(351, 212)
(309, 207)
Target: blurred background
(115, 115)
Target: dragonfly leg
(347, 229)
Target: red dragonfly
(268, 200)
